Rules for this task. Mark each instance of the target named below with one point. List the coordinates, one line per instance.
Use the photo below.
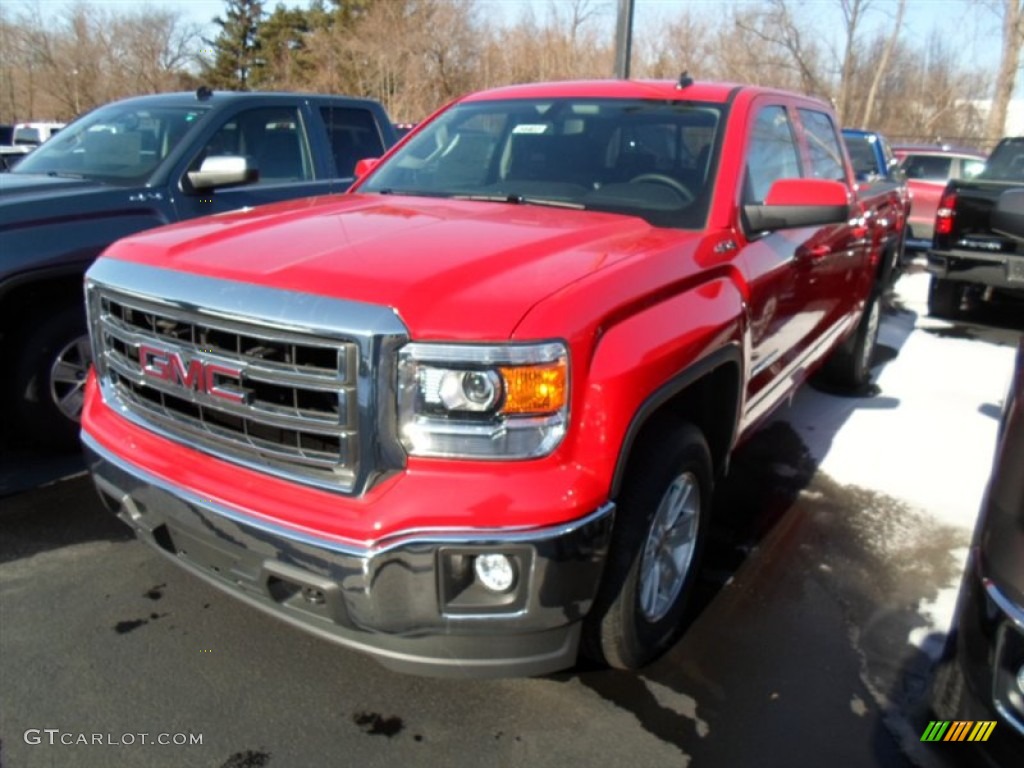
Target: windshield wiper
(522, 200)
(64, 175)
(407, 192)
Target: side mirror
(792, 203)
(366, 165)
(224, 171)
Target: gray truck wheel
(661, 524)
(48, 380)
(944, 297)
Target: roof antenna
(203, 92)
(685, 81)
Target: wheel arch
(41, 292)
(707, 394)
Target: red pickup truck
(468, 418)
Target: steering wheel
(668, 181)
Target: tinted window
(641, 158)
(772, 154)
(927, 167)
(862, 156)
(823, 144)
(1006, 163)
(271, 136)
(353, 135)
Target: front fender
(649, 357)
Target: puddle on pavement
(376, 724)
(861, 571)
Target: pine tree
(283, 61)
(236, 46)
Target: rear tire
(48, 381)
(849, 367)
(661, 523)
(944, 297)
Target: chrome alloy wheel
(670, 547)
(67, 377)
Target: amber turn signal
(534, 388)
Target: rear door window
(353, 134)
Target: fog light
(495, 572)
(1020, 679)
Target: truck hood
(19, 186)
(451, 269)
(36, 198)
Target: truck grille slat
(275, 399)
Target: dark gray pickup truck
(969, 258)
(133, 165)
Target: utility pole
(624, 38)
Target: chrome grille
(282, 401)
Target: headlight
(482, 401)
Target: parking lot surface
(828, 587)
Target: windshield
(120, 144)
(641, 158)
(1006, 163)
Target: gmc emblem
(195, 374)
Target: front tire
(49, 380)
(661, 523)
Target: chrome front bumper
(410, 602)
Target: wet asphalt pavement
(797, 653)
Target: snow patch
(857, 706)
(938, 614)
(927, 438)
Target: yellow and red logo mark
(958, 730)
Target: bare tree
(775, 26)
(1011, 14)
(12, 64)
(853, 14)
(931, 95)
(416, 54)
(151, 49)
(86, 55)
(665, 48)
(882, 67)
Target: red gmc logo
(194, 374)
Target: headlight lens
(482, 401)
